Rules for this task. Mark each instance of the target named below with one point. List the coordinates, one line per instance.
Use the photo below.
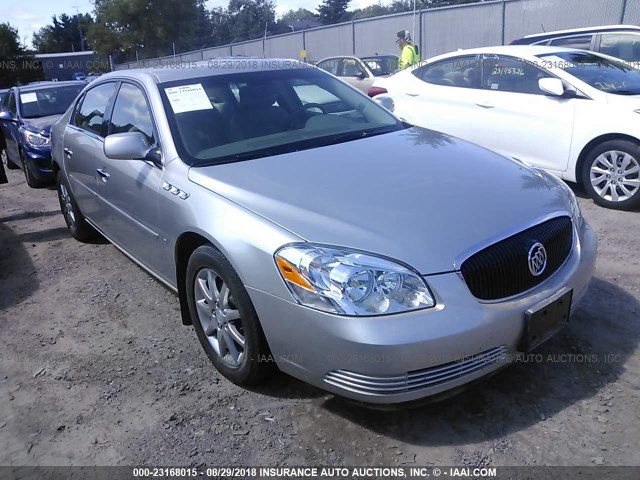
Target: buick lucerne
(304, 226)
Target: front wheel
(32, 181)
(5, 159)
(225, 320)
(611, 174)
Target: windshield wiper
(625, 92)
(357, 135)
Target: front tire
(76, 223)
(9, 164)
(225, 320)
(611, 174)
(32, 181)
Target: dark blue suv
(26, 115)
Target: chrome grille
(501, 270)
(416, 379)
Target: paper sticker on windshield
(188, 98)
(28, 97)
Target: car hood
(631, 102)
(41, 124)
(415, 195)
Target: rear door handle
(485, 105)
(105, 176)
(68, 152)
(413, 94)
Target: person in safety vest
(409, 54)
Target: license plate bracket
(545, 319)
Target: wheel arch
(186, 244)
(593, 144)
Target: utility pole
(78, 18)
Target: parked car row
(282, 205)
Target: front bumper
(39, 163)
(406, 357)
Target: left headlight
(576, 213)
(36, 140)
(350, 282)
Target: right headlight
(350, 282)
(576, 213)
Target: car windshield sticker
(494, 86)
(188, 98)
(28, 97)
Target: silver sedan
(373, 259)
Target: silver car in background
(376, 260)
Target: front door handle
(413, 94)
(103, 174)
(485, 105)
(68, 152)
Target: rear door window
(577, 41)
(622, 45)
(454, 72)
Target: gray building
(63, 66)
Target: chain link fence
(435, 31)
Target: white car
(573, 113)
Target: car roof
(518, 50)
(45, 85)
(602, 28)
(214, 66)
(357, 57)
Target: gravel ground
(96, 369)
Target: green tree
(150, 29)
(17, 65)
(248, 19)
(298, 15)
(333, 11)
(65, 34)
(375, 10)
(9, 42)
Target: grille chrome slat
(501, 270)
(416, 379)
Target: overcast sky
(30, 16)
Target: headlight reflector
(350, 282)
(36, 140)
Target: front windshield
(240, 116)
(381, 65)
(599, 72)
(47, 101)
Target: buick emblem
(537, 259)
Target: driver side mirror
(129, 146)
(7, 116)
(361, 75)
(552, 86)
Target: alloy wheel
(615, 176)
(67, 206)
(219, 317)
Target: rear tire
(225, 320)
(611, 174)
(76, 223)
